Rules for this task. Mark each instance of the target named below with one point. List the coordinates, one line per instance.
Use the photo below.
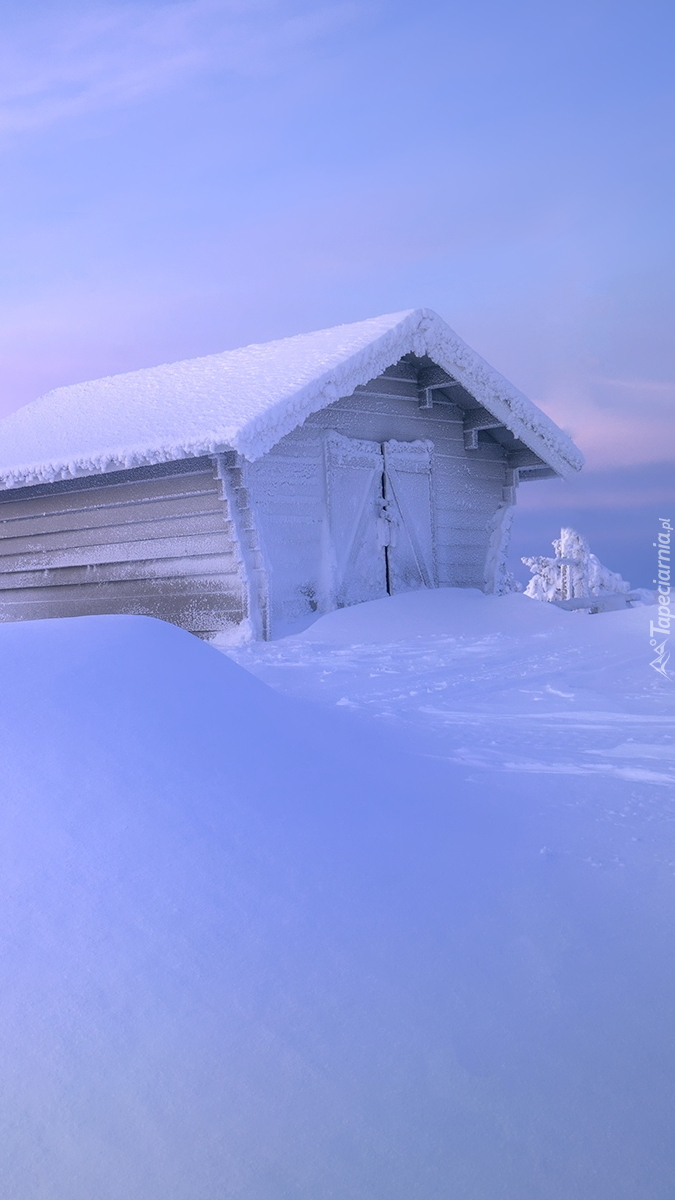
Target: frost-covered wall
(287, 492)
(156, 541)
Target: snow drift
(251, 950)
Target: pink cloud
(617, 421)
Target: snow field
(271, 947)
(505, 682)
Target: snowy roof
(247, 400)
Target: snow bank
(255, 950)
(247, 399)
(439, 611)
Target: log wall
(156, 541)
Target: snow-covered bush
(574, 573)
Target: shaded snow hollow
(254, 947)
(247, 400)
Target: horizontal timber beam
(474, 421)
(542, 472)
(518, 459)
(480, 418)
(434, 377)
(431, 379)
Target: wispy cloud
(659, 386)
(66, 65)
(617, 421)
(632, 486)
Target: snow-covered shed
(243, 492)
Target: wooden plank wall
(287, 490)
(155, 541)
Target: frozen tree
(574, 573)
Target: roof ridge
(248, 398)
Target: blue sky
(183, 178)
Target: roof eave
(421, 332)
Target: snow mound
(253, 950)
(247, 399)
(453, 612)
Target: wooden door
(358, 531)
(379, 508)
(407, 493)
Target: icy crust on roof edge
(181, 410)
(500, 397)
(420, 331)
(248, 399)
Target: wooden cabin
(244, 493)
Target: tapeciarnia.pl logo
(663, 592)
